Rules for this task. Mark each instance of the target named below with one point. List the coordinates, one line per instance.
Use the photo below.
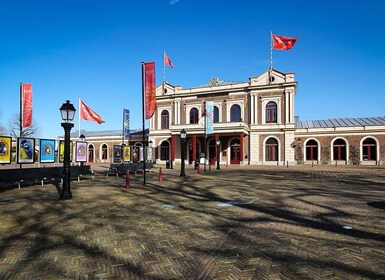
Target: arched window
(271, 112)
(369, 148)
(311, 150)
(164, 122)
(339, 149)
(165, 151)
(216, 114)
(90, 153)
(235, 113)
(194, 116)
(271, 149)
(104, 152)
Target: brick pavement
(236, 223)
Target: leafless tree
(14, 128)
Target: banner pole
(21, 110)
(123, 129)
(21, 115)
(143, 123)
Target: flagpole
(143, 124)
(271, 56)
(164, 73)
(79, 115)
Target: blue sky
(93, 49)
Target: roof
(341, 122)
(105, 133)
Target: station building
(254, 123)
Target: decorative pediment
(272, 77)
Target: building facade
(255, 123)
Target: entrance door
(235, 151)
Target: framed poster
(47, 150)
(117, 153)
(80, 151)
(5, 149)
(149, 154)
(126, 153)
(61, 151)
(25, 150)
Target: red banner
(86, 113)
(149, 88)
(26, 104)
(283, 43)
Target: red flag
(283, 43)
(86, 113)
(167, 61)
(149, 88)
(26, 104)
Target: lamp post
(218, 142)
(67, 111)
(183, 135)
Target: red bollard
(127, 179)
(160, 174)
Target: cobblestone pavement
(233, 223)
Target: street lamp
(82, 137)
(67, 111)
(183, 135)
(218, 142)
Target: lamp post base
(66, 196)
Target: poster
(61, 151)
(25, 150)
(47, 150)
(126, 153)
(5, 149)
(81, 151)
(117, 153)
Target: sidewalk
(234, 223)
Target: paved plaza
(234, 223)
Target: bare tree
(2, 128)
(14, 128)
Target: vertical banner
(149, 88)
(135, 154)
(126, 153)
(149, 154)
(26, 104)
(126, 123)
(5, 149)
(47, 150)
(25, 150)
(80, 152)
(141, 155)
(61, 151)
(209, 117)
(117, 154)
